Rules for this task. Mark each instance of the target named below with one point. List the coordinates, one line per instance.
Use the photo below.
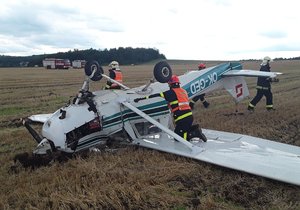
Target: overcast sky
(180, 29)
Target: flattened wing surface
(253, 155)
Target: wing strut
(168, 131)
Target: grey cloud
(283, 47)
(32, 25)
(103, 24)
(224, 3)
(22, 25)
(25, 19)
(274, 34)
(66, 40)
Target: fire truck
(78, 64)
(55, 63)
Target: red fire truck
(55, 63)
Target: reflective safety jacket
(182, 102)
(178, 103)
(116, 75)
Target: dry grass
(135, 178)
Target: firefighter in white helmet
(116, 74)
(263, 87)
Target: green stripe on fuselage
(209, 78)
(144, 108)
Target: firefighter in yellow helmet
(116, 74)
(263, 87)
(178, 103)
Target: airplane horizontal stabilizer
(251, 73)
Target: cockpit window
(146, 128)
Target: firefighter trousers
(260, 93)
(183, 126)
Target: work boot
(203, 137)
(197, 132)
(205, 104)
(250, 108)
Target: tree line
(124, 56)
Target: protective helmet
(266, 60)
(114, 65)
(174, 79)
(201, 66)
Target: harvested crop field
(137, 178)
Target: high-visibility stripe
(173, 102)
(183, 103)
(162, 95)
(269, 106)
(262, 88)
(185, 135)
(251, 105)
(183, 116)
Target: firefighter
(178, 103)
(202, 96)
(263, 87)
(116, 74)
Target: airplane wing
(40, 118)
(251, 73)
(245, 153)
(249, 154)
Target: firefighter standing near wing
(263, 87)
(116, 74)
(201, 97)
(178, 103)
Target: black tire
(93, 70)
(162, 72)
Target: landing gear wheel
(93, 70)
(162, 72)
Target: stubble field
(136, 178)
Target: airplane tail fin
(237, 87)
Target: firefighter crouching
(116, 74)
(178, 103)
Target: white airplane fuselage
(70, 133)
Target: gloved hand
(275, 80)
(205, 104)
(138, 99)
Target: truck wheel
(93, 70)
(162, 72)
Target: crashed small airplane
(94, 119)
